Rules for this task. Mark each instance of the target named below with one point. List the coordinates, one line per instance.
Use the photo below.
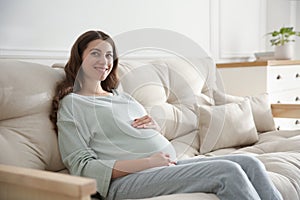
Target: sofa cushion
(260, 105)
(224, 126)
(279, 152)
(27, 135)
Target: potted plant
(282, 40)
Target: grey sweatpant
(229, 177)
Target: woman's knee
(250, 161)
(232, 174)
(230, 168)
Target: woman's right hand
(160, 159)
(124, 167)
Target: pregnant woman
(107, 135)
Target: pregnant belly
(152, 142)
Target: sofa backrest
(27, 137)
(169, 89)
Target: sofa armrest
(286, 110)
(24, 183)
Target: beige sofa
(182, 95)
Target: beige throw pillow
(224, 126)
(260, 106)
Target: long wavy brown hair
(73, 67)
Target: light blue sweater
(95, 131)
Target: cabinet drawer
(283, 78)
(287, 124)
(288, 96)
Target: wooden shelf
(286, 110)
(259, 63)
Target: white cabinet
(280, 79)
(283, 83)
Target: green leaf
(275, 33)
(283, 35)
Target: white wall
(297, 48)
(29, 26)
(241, 23)
(44, 30)
(55, 24)
(283, 13)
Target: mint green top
(95, 131)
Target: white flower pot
(284, 52)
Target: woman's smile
(101, 69)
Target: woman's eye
(95, 53)
(109, 55)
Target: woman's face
(97, 60)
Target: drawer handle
(297, 122)
(278, 101)
(297, 75)
(278, 77)
(297, 99)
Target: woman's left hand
(145, 122)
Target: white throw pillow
(260, 105)
(224, 126)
